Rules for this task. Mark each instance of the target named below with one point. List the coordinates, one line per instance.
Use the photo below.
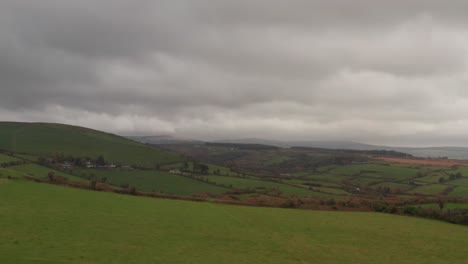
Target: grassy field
(211, 168)
(276, 160)
(5, 173)
(254, 184)
(328, 177)
(460, 182)
(42, 172)
(459, 192)
(364, 180)
(430, 189)
(394, 186)
(46, 139)
(154, 181)
(376, 170)
(6, 158)
(432, 178)
(50, 224)
(447, 206)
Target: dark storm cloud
(374, 71)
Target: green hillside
(51, 224)
(43, 139)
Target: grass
(394, 186)
(154, 181)
(463, 171)
(376, 170)
(459, 182)
(276, 160)
(6, 158)
(364, 180)
(211, 168)
(459, 192)
(447, 206)
(430, 189)
(245, 183)
(28, 157)
(432, 178)
(6, 172)
(47, 139)
(325, 183)
(328, 177)
(43, 172)
(51, 224)
(332, 190)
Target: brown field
(425, 162)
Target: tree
(441, 204)
(41, 160)
(202, 168)
(79, 162)
(101, 161)
(93, 184)
(51, 176)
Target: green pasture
(45, 224)
(153, 181)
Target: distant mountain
(436, 152)
(312, 144)
(163, 139)
(431, 152)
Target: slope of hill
(43, 139)
(50, 224)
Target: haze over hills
(432, 152)
(163, 139)
(450, 152)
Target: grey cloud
(371, 71)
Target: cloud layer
(372, 71)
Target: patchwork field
(50, 224)
(6, 159)
(459, 192)
(430, 189)
(42, 172)
(153, 181)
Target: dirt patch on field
(426, 162)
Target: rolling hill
(50, 224)
(44, 139)
(452, 152)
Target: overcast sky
(382, 72)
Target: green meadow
(247, 183)
(153, 181)
(43, 223)
(6, 159)
(39, 171)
